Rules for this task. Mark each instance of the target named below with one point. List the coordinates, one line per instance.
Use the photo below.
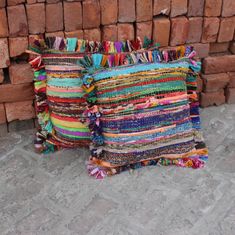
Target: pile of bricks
(208, 25)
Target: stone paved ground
(52, 194)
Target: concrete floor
(53, 194)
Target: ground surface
(53, 194)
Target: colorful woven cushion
(140, 115)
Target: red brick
(36, 18)
(2, 114)
(3, 23)
(219, 47)
(110, 33)
(161, 7)
(15, 93)
(31, 1)
(19, 110)
(20, 73)
(55, 34)
(109, 11)
(195, 29)
(17, 21)
(1, 76)
(231, 79)
(91, 14)
(212, 98)
(14, 2)
(210, 29)
(92, 34)
(144, 29)
(54, 17)
(195, 8)
(232, 47)
(199, 84)
(4, 54)
(74, 34)
(161, 31)
(125, 32)
(179, 30)
(228, 8)
(219, 64)
(178, 7)
(2, 3)
(72, 16)
(226, 31)
(144, 10)
(212, 7)
(126, 11)
(202, 49)
(230, 95)
(18, 46)
(53, 1)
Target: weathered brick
(126, 32)
(144, 29)
(2, 3)
(14, 2)
(161, 31)
(179, 30)
(228, 8)
(53, 1)
(202, 49)
(55, 34)
(18, 46)
(72, 16)
(23, 110)
(199, 84)
(232, 47)
(126, 11)
(210, 29)
(74, 34)
(213, 7)
(144, 10)
(219, 64)
(16, 92)
(212, 98)
(36, 18)
(219, 47)
(195, 29)
(3, 23)
(231, 79)
(91, 14)
(226, 31)
(17, 21)
(2, 114)
(92, 34)
(31, 1)
(230, 95)
(161, 7)
(110, 33)
(109, 11)
(178, 7)
(4, 54)
(196, 8)
(20, 73)
(54, 17)
(1, 76)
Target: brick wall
(206, 24)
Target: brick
(31, 1)
(212, 98)
(55, 34)
(36, 18)
(195, 29)
(2, 114)
(219, 47)
(53, 1)
(23, 110)
(196, 8)
(109, 11)
(18, 46)
(202, 49)
(110, 33)
(232, 47)
(210, 29)
(72, 16)
(199, 84)
(144, 10)
(1, 76)
(161, 31)
(74, 34)
(226, 31)
(178, 7)
(14, 2)
(126, 11)
(15, 93)
(92, 34)
(212, 7)
(17, 21)
(179, 30)
(219, 64)
(20, 73)
(91, 14)
(161, 7)
(144, 29)
(230, 95)
(2, 3)
(3, 23)
(4, 54)
(228, 8)
(231, 79)
(54, 17)
(125, 32)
